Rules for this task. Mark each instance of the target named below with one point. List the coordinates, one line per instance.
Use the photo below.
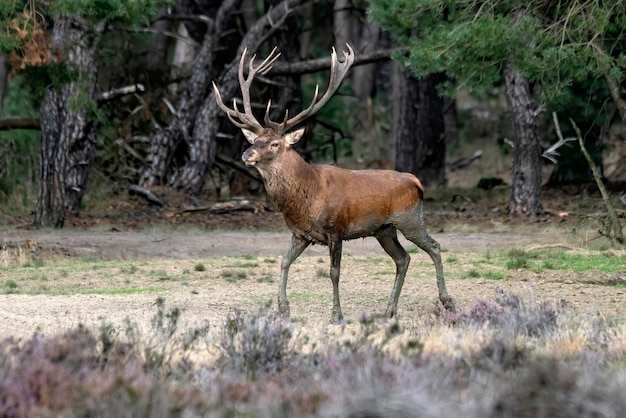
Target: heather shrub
(508, 312)
(255, 342)
(260, 365)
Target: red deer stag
(323, 204)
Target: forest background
(100, 97)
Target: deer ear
(251, 136)
(293, 137)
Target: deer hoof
(448, 303)
(336, 318)
(283, 308)
(390, 313)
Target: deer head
(271, 141)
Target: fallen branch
(146, 194)
(226, 207)
(7, 124)
(465, 161)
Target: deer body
(323, 204)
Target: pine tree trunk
(67, 136)
(80, 159)
(203, 141)
(526, 171)
(419, 127)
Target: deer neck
(291, 184)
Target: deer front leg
(295, 249)
(335, 245)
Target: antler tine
(277, 127)
(338, 71)
(246, 118)
(267, 63)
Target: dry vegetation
(540, 331)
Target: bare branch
(551, 153)
(120, 91)
(319, 64)
(7, 124)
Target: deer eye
(274, 144)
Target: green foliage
(554, 44)
(126, 12)
(19, 149)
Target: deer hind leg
(335, 246)
(414, 229)
(295, 249)
(388, 239)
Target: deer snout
(250, 157)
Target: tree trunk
(526, 171)
(80, 159)
(418, 127)
(202, 143)
(4, 77)
(165, 141)
(64, 124)
(159, 45)
(352, 26)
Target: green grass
(473, 274)
(541, 260)
(124, 291)
(233, 276)
(244, 264)
(199, 267)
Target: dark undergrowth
(508, 356)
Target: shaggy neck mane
(291, 183)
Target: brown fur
(327, 205)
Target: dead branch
(616, 227)
(319, 64)
(551, 153)
(146, 194)
(465, 161)
(7, 124)
(120, 91)
(227, 207)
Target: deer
(325, 204)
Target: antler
(338, 71)
(246, 119)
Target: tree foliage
(553, 44)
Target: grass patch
(472, 274)
(10, 287)
(124, 291)
(199, 267)
(540, 260)
(244, 264)
(233, 276)
(493, 275)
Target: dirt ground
(203, 296)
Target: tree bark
(67, 136)
(4, 77)
(418, 127)
(526, 171)
(165, 141)
(202, 143)
(616, 93)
